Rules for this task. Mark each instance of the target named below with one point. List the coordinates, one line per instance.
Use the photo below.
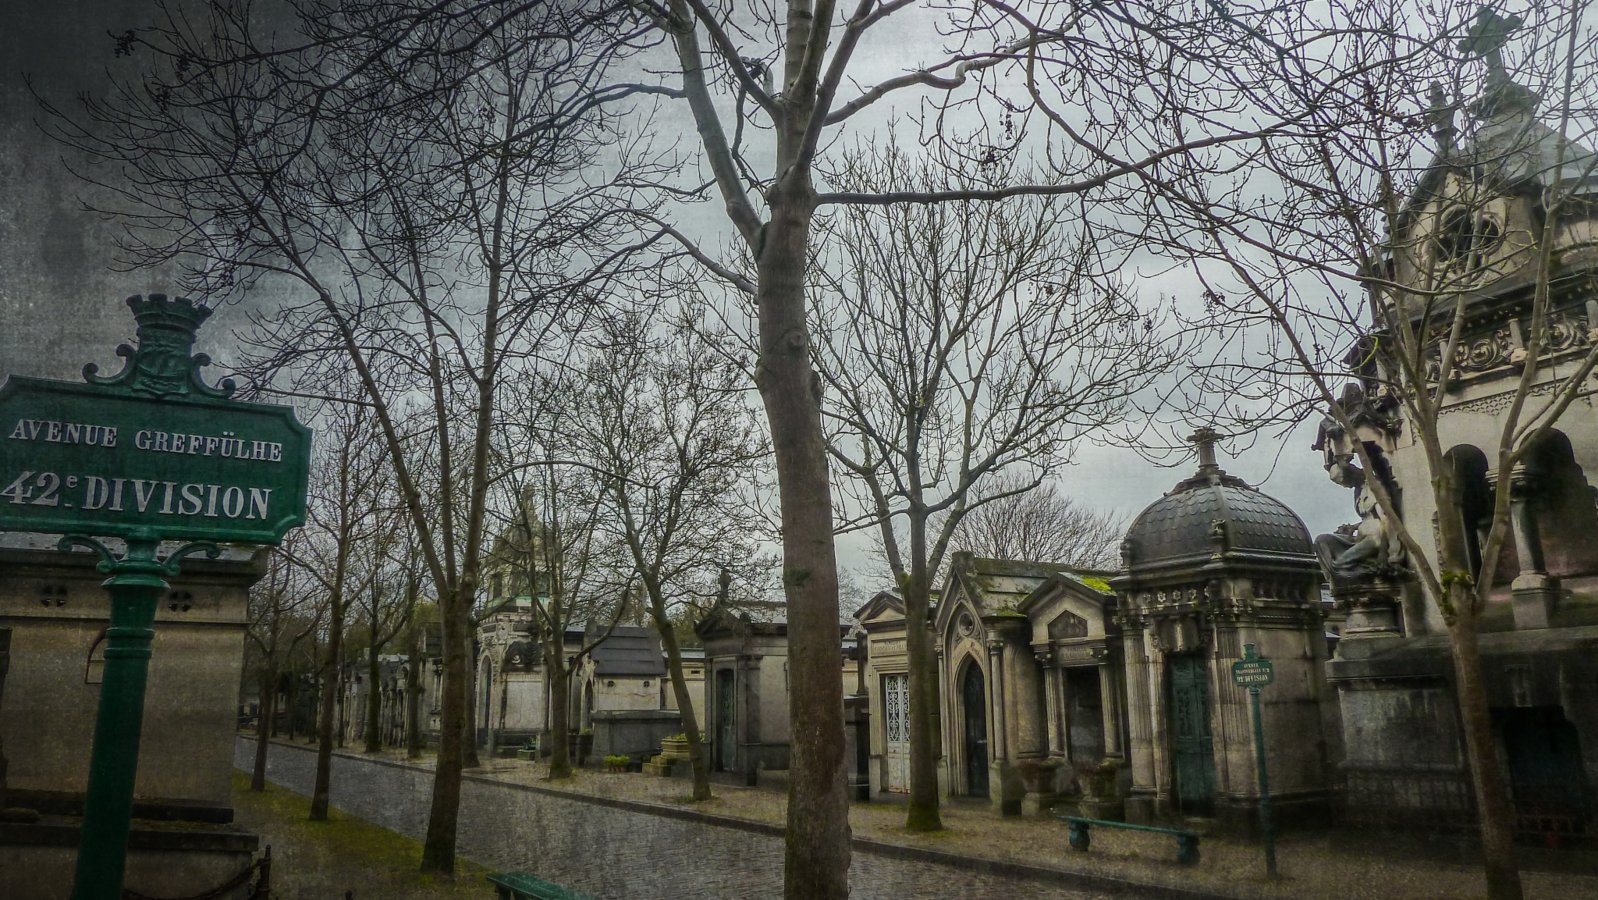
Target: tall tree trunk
(1494, 809)
(469, 757)
(816, 862)
(374, 702)
(325, 723)
(264, 728)
(560, 762)
(923, 812)
(438, 850)
(413, 697)
(294, 704)
(685, 701)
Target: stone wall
(57, 610)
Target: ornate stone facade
(1212, 566)
(1393, 672)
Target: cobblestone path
(614, 852)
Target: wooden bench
(522, 886)
(1187, 842)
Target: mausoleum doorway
(1193, 752)
(896, 730)
(973, 697)
(726, 736)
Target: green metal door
(1194, 752)
(726, 736)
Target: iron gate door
(725, 734)
(896, 728)
(1194, 753)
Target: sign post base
(136, 585)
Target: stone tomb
(56, 611)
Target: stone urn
(1037, 775)
(1034, 786)
(1101, 791)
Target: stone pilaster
(1533, 592)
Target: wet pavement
(618, 851)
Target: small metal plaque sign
(1253, 672)
(152, 452)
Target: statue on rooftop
(1363, 552)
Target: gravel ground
(1328, 864)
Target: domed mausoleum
(1208, 569)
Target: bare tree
(1039, 522)
(280, 620)
(551, 536)
(386, 607)
(675, 446)
(962, 342)
(423, 622)
(436, 179)
(340, 553)
(789, 71)
(1354, 274)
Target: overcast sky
(61, 299)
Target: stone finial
(1441, 115)
(1204, 440)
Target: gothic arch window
(1464, 241)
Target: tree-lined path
(609, 850)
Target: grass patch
(344, 850)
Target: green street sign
(151, 451)
(1253, 672)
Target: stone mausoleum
(1114, 690)
(53, 614)
(1211, 567)
(1472, 233)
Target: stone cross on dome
(1486, 38)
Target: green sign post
(1254, 672)
(151, 454)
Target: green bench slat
(1130, 826)
(522, 886)
(1187, 842)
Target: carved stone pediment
(1068, 625)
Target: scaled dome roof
(1212, 511)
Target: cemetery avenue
(895, 448)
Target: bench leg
(1187, 849)
(1078, 835)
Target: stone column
(1140, 721)
(1533, 592)
(1159, 729)
(1110, 705)
(1052, 706)
(997, 744)
(746, 719)
(948, 742)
